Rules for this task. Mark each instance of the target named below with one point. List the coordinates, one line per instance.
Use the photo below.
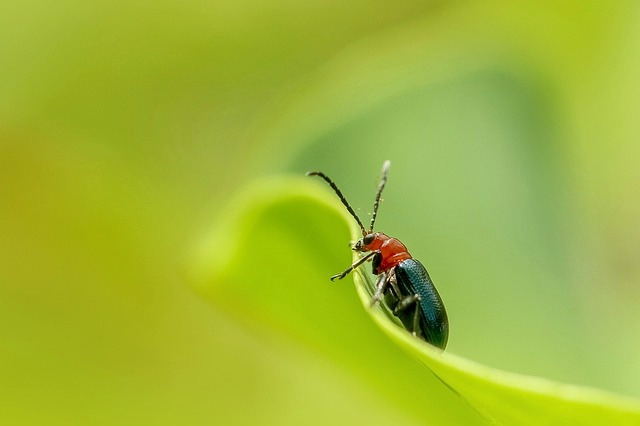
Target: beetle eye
(368, 239)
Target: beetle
(402, 281)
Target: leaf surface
(267, 264)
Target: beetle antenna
(342, 198)
(376, 204)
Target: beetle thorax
(391, 250)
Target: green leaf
(267, 262)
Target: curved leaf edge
(448, 367)
(438, 359)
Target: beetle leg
(417, 330)
(405, 303)
(381, 286)
(355, 265)
(394, 283)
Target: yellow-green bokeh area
(126, 129)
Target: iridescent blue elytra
(401, 280)
(413, 278)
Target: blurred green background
(127, 127)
